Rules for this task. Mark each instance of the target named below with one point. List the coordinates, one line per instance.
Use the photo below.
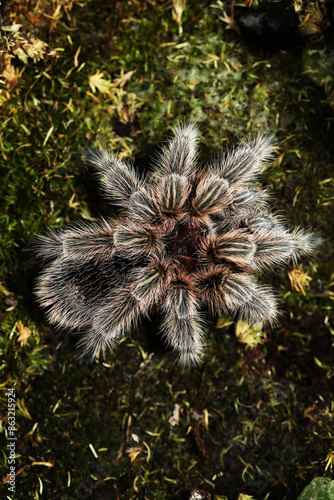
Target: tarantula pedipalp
(186, 239)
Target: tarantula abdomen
(186, 239)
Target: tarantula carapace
(188, 238)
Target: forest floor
(253, 421)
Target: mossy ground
(257, 421)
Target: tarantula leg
(71, 291)
(278, 245)
(62, 298)
(235, 246)
(185, 336)
(49, 246)
(223, 291)
(305, 242)
(210, 285)
(245, 199)
(245, 162)
(95, 343)
(143, 206)
(226, 292)
(179, 156)
(263, 306)
(86, 241)
(263, 222)
(255, 303)
(119, 179)
(83, 241)
(150, 282)
(111, 322)
(135, 239)
(114, 319)
(180, 298)
(173, 192)
(211, 196)
(237, 290)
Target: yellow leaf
(46, 464)
(4, 290)
(72, 203)
(10, 74)
(98, 82)
(14, 28)
(223, 322)
(329, 460)
(248, 334)
(299, 279)
(35, 48)
(134, 452)
(124, 78)
(24, 332)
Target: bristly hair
(186, 239)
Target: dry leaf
(46, 464)
(98, 82)
(121, 81)
(299, 279)
(10, 74)
(175, 418)
(24, 332)
(134, 452)
(248, 334)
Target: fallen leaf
(98, 82)
(24, 332)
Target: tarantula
(188, 238)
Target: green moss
(264, 415)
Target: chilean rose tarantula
(188, 238)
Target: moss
(264, 415)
